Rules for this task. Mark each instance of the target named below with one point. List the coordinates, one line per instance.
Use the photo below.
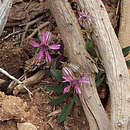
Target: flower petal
(66, 89)
(85, 16)
(77, 89)
(67, 78)
(67, 72)
(54, 46)
(34, 44)
(48, 36)
(84, 76)
(48, 57)
(83, 13)
(84, 81)
(40, 54)
(44, 38)
(80, 17)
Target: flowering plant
(82, 15)
(73, 81)
(83, 19)
(46, 38)
(70, 78)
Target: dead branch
(36, 78)
(16, 80)
(37, 29)
(11, 34)
(27, 26)
(74, 46)
(4, 11)
(124, 32)
(2, 82)
(114, 63)
(13, 84)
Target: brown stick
(114, 63)
(36, 78)
(74, 45)
(2, 81)
(37, 29)
(27, 26)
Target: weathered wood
(124, 32)
(114, 63)
(74, 46)
(4, 11)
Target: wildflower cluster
(70, 74)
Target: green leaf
(99, 74)
(100, 81)
(91, 47)
(76, 99)
(57, 74)
(100, 77)
(128, 63)
(56, 88)
(65, 111)
(58, 100)
(126, 51)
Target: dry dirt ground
(14, 54)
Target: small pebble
(26, 126)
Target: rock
(12, 107)
(26, 126)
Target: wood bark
(5, 6)
(114, 63)
(77, 54)
(124, 32)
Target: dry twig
(28, 25)
(11, 34)
(36, 78)
(16, 80)
(37, 29)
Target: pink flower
(82, 15)
(73, 81)
(83, 19)
(46, 38)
